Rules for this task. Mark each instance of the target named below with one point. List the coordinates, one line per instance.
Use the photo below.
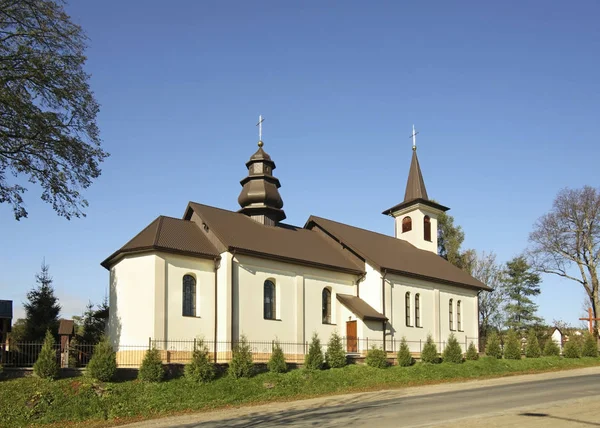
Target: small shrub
(152, 369)
(103, 364)
(452, 352)
(533, 346)
(572, 349)
(241, 364)
(314, 359)
(405, 358)
(335, 357)
(277, 362)
(46, 366)
(472, 354)
(200, 369)
(512, 346)
(492, 346)
(429, 353)
(590, 346)
(551, 348)
(376, 357)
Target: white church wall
(370, 288)
(177, 326)
(416, 236)
(132, 285)
(224, 315)
(469, 314)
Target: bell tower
(416, 218)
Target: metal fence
(181, 351)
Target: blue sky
(505, 96)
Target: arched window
(458, 320)
(417, 310)
(189, 296)
(407, 303)
(427, 228)
(269, 300)
(451, 313)
(406, 224)
(326, 305)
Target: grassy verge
(73, 402)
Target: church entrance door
(351, 339)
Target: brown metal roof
(395, 255)
(66, 327)
(240, 233)
(360, 308)
(170, 235)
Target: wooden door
(351, 339)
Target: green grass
(70, 402)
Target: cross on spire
(259, 124)
(414, 138)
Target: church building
(216, 274)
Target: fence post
(420, 347)
(149, 343)
(466, 345)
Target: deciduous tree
(566, 241)
(48, 130)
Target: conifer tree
(452, 353)
(242, 364)
(429, 353)
(492, 347)
(94, 322)
(376, 357)
(152, 369)
(103, 364)
(533, 346)
(512, 346)
(335, 356)
(46, 366)
(200, 369)
(551, 348)
(590, 346)
(277, 362)
(314, 359)
(520, 284)
(404, 356)
(572, 349)
(472, 354)
(42, 308)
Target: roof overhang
(406, 204)
(119, 254)
(360, 308)
(436, 280)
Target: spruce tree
(512, 346)
(277, 362)
(533, 346)
(492, 347)
(572, 349)
(314, 359)
(94, 322)
(200, 369)
(335, 356)
(152, 369)
(241, 364)
(46, 366)
(472, 354)
(429, 353)
(404, 356)
(590, 346)
(551, 348)
(42, 308)
(520, 284)
(452, 353)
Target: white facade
(417, 213)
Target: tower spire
(414, 138)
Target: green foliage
(590, 346)
(277, 362)
(551, 348)
(200, 369)
(48, 112)
(335, 356)
(450, 239)
(472, 354)
(376, 357)
(533, 346)
(314, 359)
(241, 364)
(103, 365)
(452, 353)
(492, 347)
(152, 369)
(46, 366)
(521, 283)
(572, 349)
(404, 356)
(42, 308)
(512, 346)
(429, 353)
(94, 323)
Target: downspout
(217, 261)
(232, 301)
(358, 280)
(383, 303)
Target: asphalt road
(518, 401)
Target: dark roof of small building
(360, 308)
(396, 255)
(6, 309)
(66, 327)
(171, 235)
(241, 234)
